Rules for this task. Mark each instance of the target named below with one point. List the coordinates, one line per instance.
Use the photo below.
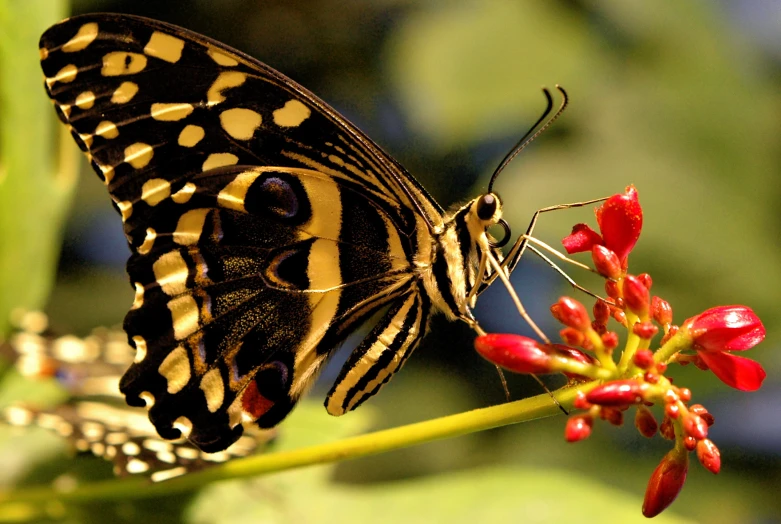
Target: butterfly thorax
(456, 253)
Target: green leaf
(35, 181)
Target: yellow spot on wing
(149, 241)
(84, 37)
(138, 300)
(124, 93)
(85, 100)
(107, 129)
(291, 114)
(183, 195)
(240, 123)
(170, 112)
(176, 369)
(164, 47)
(213, 389)
(155, 190)
(43, 53)
(65, 75)
(185, 314)
(119, 63)
(135, 466)
(191, 135)
(219, 160)
(190, 226)
(232, 196)
(138, 155)
(171, 273)
(140, 347)
(221, 59)
(224, 81)
(126, 208)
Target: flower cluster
(636, 379)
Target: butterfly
(264, 228)
(91, 417)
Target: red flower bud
(645, 422)
(620, 220)
(646, 279)
(709, 455)
(578, 428)
(611, 288)
(672, 410)
(571, 313)
(582, 238)
(699, 409)
(514, 353)
(689, 442)
(643, 358)
(636, 296)
(601, 312)
(606, 262)
(616, 393)
(666, 482)
(725, 328)
(612, 415)
(619, 316)
(695, 426)
(580, 401)
(572, 336)
(661, 311)
(738, 372)
(685, 394)
(667, 429)
(610, 340)
(645, 330)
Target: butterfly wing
(264, 227)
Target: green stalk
(450, 426)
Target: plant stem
(450, 426)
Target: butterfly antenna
(528, 138)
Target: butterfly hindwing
(255, 292)
(264, 227)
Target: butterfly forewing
(264, 227)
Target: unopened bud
(645, 422)
(709, 455)
(578, 428)
(636, 296)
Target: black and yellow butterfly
(264, 228)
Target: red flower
(515, 353)
(728, 328)
(725, 328)
(738, 372)
(582, 238)
(666, 482)
(620, 220)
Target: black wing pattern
(263, 226)
(91, 417)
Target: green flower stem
(679, 342)
(450, 426)
(632, 342)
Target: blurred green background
(682, 99)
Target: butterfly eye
(486, 206)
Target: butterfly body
(264, 228)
